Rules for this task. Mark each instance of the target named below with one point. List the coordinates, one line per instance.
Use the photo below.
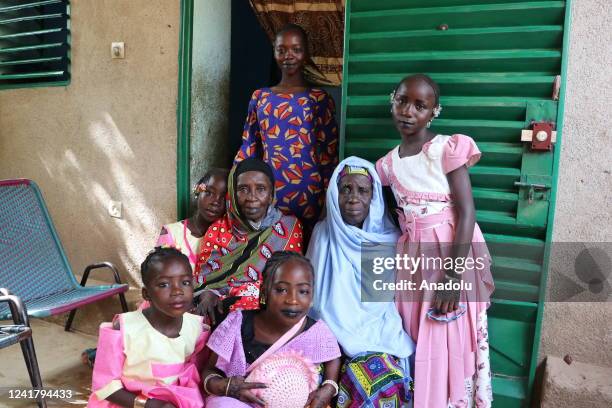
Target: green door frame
(183, 111)
(535, 352)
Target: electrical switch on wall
(114, 209)
(117, 50)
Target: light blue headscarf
(335, 252)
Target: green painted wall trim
(183, 111)
(553, 197)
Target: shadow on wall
(113, 157)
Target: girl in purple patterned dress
(292, 127)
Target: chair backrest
(32, 260)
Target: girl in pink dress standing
(428, 175)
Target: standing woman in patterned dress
(292, 127)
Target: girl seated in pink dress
(428, 174)
(188, 235)
(148, 357)
(251, 339)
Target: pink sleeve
(459, 150)
(222, 341)
(108, 367)
(165, 238)
(329, 344)
(381, 171)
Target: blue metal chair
(32, 261)
(20, 332)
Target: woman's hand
(321, 397)
(238, 388)
(446, 301)
(241, 390)
(208, 302)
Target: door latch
(533, 187)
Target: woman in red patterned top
(236, 247)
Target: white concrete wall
(584, 197)
(210, 85)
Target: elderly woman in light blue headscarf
(370, 333)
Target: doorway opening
(224, 55)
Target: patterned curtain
(323, 20)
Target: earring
(429, 123)
(262, 300)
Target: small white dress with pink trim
(142, 360)
(452, 359)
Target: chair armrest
(18, 310)
(100, 265)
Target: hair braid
(159, 256)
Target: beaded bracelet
(208, 377)
(333, 384)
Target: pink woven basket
(290, 378)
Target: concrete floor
(59, 359)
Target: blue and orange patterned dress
(297, 135)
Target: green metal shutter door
(496, 64)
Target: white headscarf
(335, 252)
